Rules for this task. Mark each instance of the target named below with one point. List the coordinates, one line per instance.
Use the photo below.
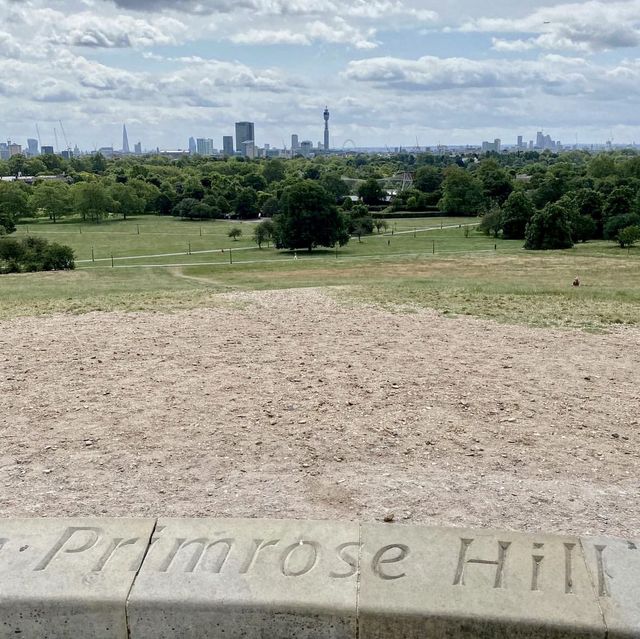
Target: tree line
(547, 200)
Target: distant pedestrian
(576, 281)
(295, 255)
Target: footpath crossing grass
(441, 269)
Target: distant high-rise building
(249, 149)
(497, 143)
(46, 150)
(4, 151)
(192, 146)
(306, 146)
(295, 144)
(125, 140)
(245, 132)
(32, 145)
(14, 149)
(204, 146)
(520, 142)
(227, 144)
(137, 149)
(326, 128)
(67, 154)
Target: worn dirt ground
(289, 404)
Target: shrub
(34, 254)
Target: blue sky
(391, 71)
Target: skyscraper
(227, 144)
(204, 146)
(192, 145)
(125, 140)
(33, 146)
(244, 133)
(295, 143)
(326, 128)
(138, 148)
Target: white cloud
(586, 26)
(179, 75)
(338, 32)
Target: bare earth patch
(293, 405)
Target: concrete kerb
(232, 578)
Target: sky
(392, 72)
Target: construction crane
(65, 137)
(38, 132)
(55, 135)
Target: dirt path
(292, 405)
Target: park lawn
(141, 235)
(472, 275)
(157, 235)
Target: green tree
(602, 165)
(7, 223)
(14, 199)
(516, 213)
(54, 198)
(617, 223)
(54, 163)
(462, 193)
(98, 163)
(58, 257)
(628, 236)
(92, 200)
(193, 209)
(127, 200)
(17, 164)
(270, 207)
(360, 221)
(308, 218)
(312, 172)
(381, 225)
(246, 203)
(254, 181)
(549, 229)
(428, 179)
(234, 233)
(273, 171)
(619, 202)
(491, 222)
(334, 185)
(370, 191)
(496, 182)
(34, 254)
(590, 203)
(35, 166)
(263, 232)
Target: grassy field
(428, 267)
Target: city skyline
(394, 72)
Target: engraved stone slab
(615, 571)
(429, 583)
(67, 578)
(254, 579)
